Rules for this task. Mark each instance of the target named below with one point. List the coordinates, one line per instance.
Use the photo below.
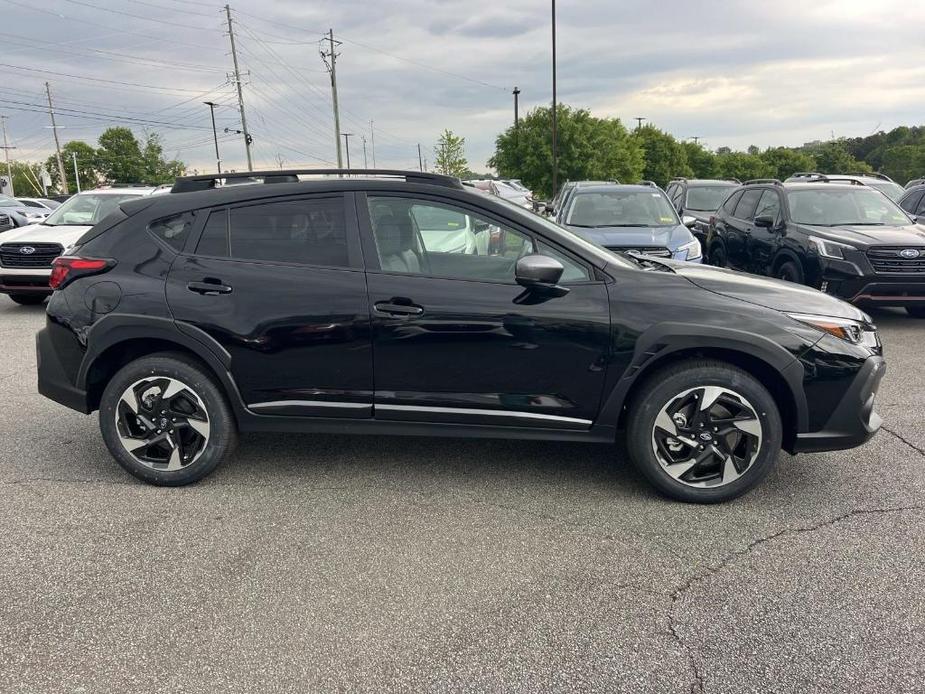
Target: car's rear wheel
(790, 272)
(28, 299)
(704, 431)
(165, 420)
(916, 311)
(717, 256)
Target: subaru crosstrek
(319, 306)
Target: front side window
(424, 237)
(768, 205)
(307, 232)
(746, 207)
(86, 209)
(841, 206)
(619, 208)
(730, 205)
(911, 202)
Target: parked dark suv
(699, 198)
(848, 240)
(337, 305)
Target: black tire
(668, 386)
(717, 256)
(222, 431)
(916, 311)
(789, 271)
(28, 299)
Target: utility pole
(365, 161)
(347, 146)
(420, 160)
(332, 69)
(696, 139)
(54, 129)
(218, 159)
(6, 151)
(555, 106)
(76, 173)
(516, 93)
(372, 141)
(237, 80)
(639, 120)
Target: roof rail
(808, 174)
(651, 184)
(679, 178)
(186, 184)
(869, 174)
(756, 181)
(733, 180)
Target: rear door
(456, 340)
(739, 228)
(279, 284)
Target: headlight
(830, 249)
(690, 249)
(843, 328)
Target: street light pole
(76, 173)
(218, 159)
(516, 93)
(555, 103)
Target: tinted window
(174, 230)
(706, 198)
(768, 205)
(911, 202)
(746, 207)
(574, 272)
(214, 239)
(920, 210)
(310, 232)
(732, 202)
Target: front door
(455, 339)
(763, 242)
(739, 227)
(280, 286)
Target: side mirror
(537, 271)
(688, 221)
(764, 220)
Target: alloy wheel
(707, 436)
(162, 423)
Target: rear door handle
(215, 287)
(391, 308)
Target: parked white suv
(26, 253)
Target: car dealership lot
(324, 562)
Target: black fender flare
(114, 329)
(663, 339)
(789, 255)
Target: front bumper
(853, 421)
(24, 281)
(855, 281)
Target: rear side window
(746, 207)
(174, 230)
(731, 203)
(309, 232)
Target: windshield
(623, 208)
(86, 209)
(844, 206)
(707, 198)
(893, 191)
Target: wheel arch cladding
(778, 370)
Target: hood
(770, 293)
(635, 237)
(860, 235)
(39, 233)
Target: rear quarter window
(174, 229)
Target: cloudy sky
(734, 73)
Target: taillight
(67, 268)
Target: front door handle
(214, 287)
(398, 309)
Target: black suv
(848, 240)
(401, 303)
(699, 198)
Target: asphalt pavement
(323, 563)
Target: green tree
(665, 157)
(86, 166)
(833, 157)
(904, 162)
(450, 155)
(743, 166)
(26, 178)
(119, 156)
(156, 168)
(784, 161)
(589, 148)
(702, 162)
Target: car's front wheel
(28, 299)
(704, 431)
(165, 420)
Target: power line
(141, 121)
(98, 79)
(138, 16)
(185, 9)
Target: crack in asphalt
(920, 450)
(698, 682)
